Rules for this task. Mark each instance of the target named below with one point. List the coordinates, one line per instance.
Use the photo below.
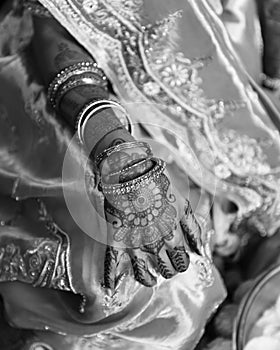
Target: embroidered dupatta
(173, 66)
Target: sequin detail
(43, 262)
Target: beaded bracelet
(121, 147)
(69, 72)
(135, 184)
(72, 83)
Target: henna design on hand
(66, 55)
(110, 265)
(141, 272)
(191, 230)
(143, 218)
(164, 269)
(179, 259)
(145, 223)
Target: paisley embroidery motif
(43, 262)
(244, 153)
(90, 6)
(61, 276)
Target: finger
(177, 251)
(164, 265)
(179, 258)
(112, 256)
(191, 230)
(142, 266)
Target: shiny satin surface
(173, 314)
(241, 20)
(32, 147)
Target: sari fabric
(175, 62)
(243, 25)
(38, 234)
(173, 66)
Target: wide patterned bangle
(75, 81)
(135, 184)
(68, 72)
(125, 146)
(36, 9)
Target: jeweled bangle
(133, 185)
(72, 83)
(143, 166)
(36, 9)
(69, 72)
(121, 147)
(130, 167)
(90, 109)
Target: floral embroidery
(151, 89)
(244, 153)
(177, 75)
(222, 171)
(129, 9)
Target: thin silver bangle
(122, 147)
(83, 113)
(94, 104)
(91, 114)
(81, 130)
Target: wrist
(124, 161)
(112, 139)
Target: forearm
(54, 49)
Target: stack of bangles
(88, 73)
(148, 167)
(133, 185)
(78, 74)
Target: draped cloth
(176, 62)
(174, 68)
(172, 315)
(242, 23)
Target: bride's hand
(148, 220)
